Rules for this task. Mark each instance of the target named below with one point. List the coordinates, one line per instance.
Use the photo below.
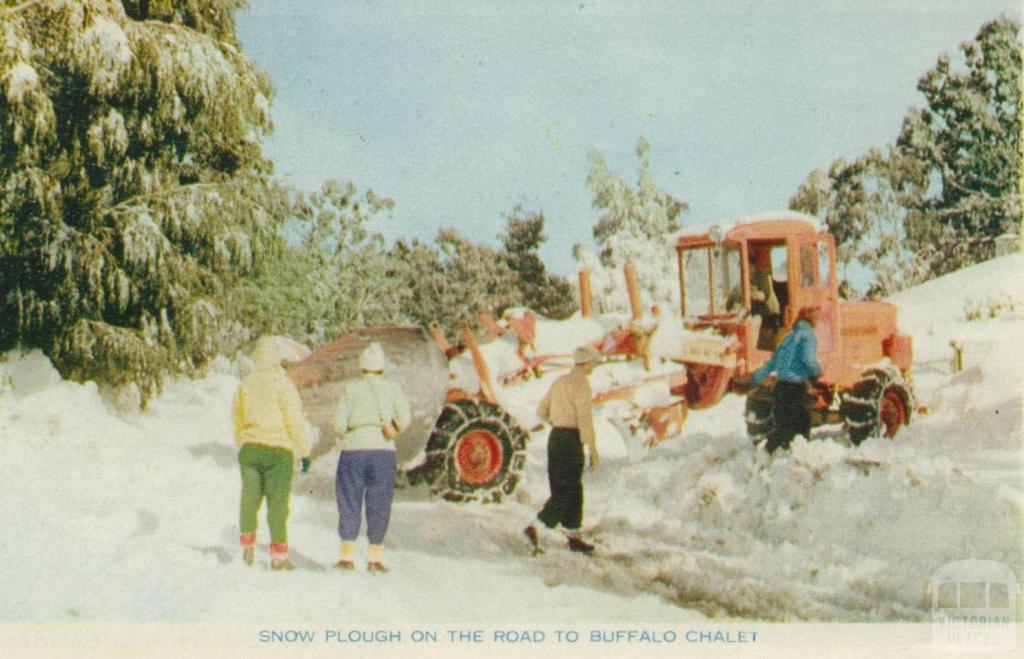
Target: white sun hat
(586, 355)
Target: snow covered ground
(126, 516)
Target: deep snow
(127, 516)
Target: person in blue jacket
(794, 363)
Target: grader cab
(748, 282)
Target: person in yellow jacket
(269, 429)
(371, 412)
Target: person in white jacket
(371, 412)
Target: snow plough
(865, 382)
(741, 285)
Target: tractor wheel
(877, 405)
(476, 452)
(760, 414)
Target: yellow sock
(348, 551)
(375, 553)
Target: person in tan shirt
(567, 407)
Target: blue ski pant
(365, 476)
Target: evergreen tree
(423, 289)
(967, 140)
(863, 205)
(935, 201)
(331, 276)
(449, 283)
(133, 183)
(335, 273)
(547, 294)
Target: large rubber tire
(877, 405)
(760, 414)
(476, 452)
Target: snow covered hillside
(115, 516)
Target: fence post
(958, 355)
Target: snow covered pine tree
(133, 182)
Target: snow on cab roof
(728, 224)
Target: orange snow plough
(740, 289)
(747, 283)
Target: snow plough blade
(416, 363)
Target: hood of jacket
(266, 355)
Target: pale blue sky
(461, 110)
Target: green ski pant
(266, 472)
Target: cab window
(807, 263)
(824, 271)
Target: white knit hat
(372, 358)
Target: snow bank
(829, 531)
(133, 518)
(826, 532)
(945, 300)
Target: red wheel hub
(892, 412)
(478, 456)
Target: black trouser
(565, 474)
(791, 414)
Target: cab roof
(762, 226)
